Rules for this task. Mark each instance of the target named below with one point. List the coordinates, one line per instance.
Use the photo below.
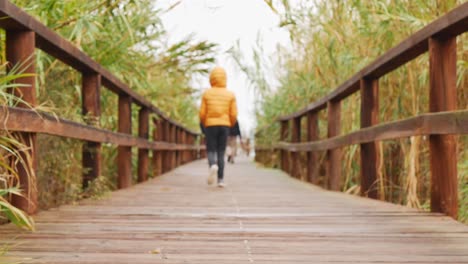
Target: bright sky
(225, 22)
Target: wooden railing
(172, 143)
(443, 121)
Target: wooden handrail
(172, 144)
(14, 119)
(14, 19)
(441, 124)
(452, 24)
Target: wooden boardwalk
(263, 216)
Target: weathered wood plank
(263, 216)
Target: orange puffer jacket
(218, 105)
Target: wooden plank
(443, 148)
(91, 110)
(24, 120)
(177, 218)
(20, 54)
(312, 157)
(124, 153)
(369, 151)
(450, 25)
(334, 154)
(143, 153)
(443, 123)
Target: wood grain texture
(263, 216)
(443, 148)
(369, 151)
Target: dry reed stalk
(411, 184)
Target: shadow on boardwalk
(263, 216)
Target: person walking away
(218, 112)
(234, 132)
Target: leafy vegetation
(332, 40)
(10, 155)
(127, 38)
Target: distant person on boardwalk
(234, 132)
(218, 112)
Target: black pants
(216, 140)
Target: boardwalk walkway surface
(263, 216)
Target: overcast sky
(225, 22)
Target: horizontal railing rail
(25, 120)
(172, 143)
(441, 124)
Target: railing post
(124, 155)
(334, 155)
(143, 130)
(20, 48)
(172, 139)
(193, 153)
(202, 153)
(369, 151)
(442, 148)
(157, 154)
(189, 141)
(166, 166)
(312, 157)
(91, 109)
(295, 156)
(183, 140)
(284, 153)
(178, 140)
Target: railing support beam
(442, 148)
(20, 48)
(143, 132)
(124, 155)
(91, 109)
(334, 155)
(157, 154)
(295, 156)
(312, 157)
(284, 153)
(369, 151)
